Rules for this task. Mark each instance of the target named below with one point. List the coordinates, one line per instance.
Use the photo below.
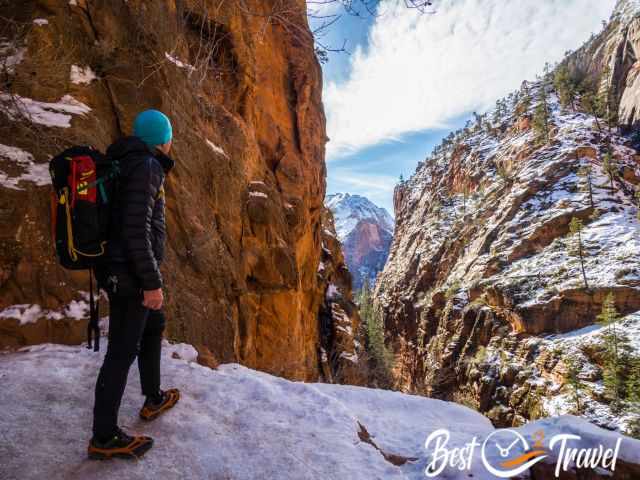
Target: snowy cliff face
(484, 297)
(365, 231)
(349, 209)
(243, 88)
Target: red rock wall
(242, 257)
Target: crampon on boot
(120, 445)
(151, 410)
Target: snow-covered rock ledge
(237, 423)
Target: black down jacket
(137, 229)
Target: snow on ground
(232, 423)
(37, 173)
(56, 114)
(41, 22)
(82, 75)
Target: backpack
(84, 182)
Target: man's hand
(153, 299)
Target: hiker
(131, 277)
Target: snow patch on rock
(82, 75)
(56, 114)
(31, 313)
(258, 194)
(216, 149)
(179, 63)
(37, 173)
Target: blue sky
(409, 79)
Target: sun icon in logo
(506, 453)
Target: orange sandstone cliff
(243, 87)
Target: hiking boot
(154, 407)
(120, 445)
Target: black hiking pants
(134, 330)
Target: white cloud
(421, 70)
(376, 187)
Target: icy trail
(233, 423)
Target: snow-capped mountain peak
(365, 231)
(349, 209)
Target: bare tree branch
(316, 12)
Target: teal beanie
(153, 128)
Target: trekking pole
(93, 328)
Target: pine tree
(591, 104)
(526, 97)
(478, 119)
(365, 301)
(374, 337)
(575, 227)
(497, 113)
(467, 128)
(565, 87)
(612, 369)
(585, 173)
(610, 168)
(632, 386)
(637, 196)
(541, 115)
(574, 382)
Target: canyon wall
(242, 85)
(484, 297)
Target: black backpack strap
(93, 328)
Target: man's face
(166, 148)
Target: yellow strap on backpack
(64, 200)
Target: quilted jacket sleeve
(139, 195)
